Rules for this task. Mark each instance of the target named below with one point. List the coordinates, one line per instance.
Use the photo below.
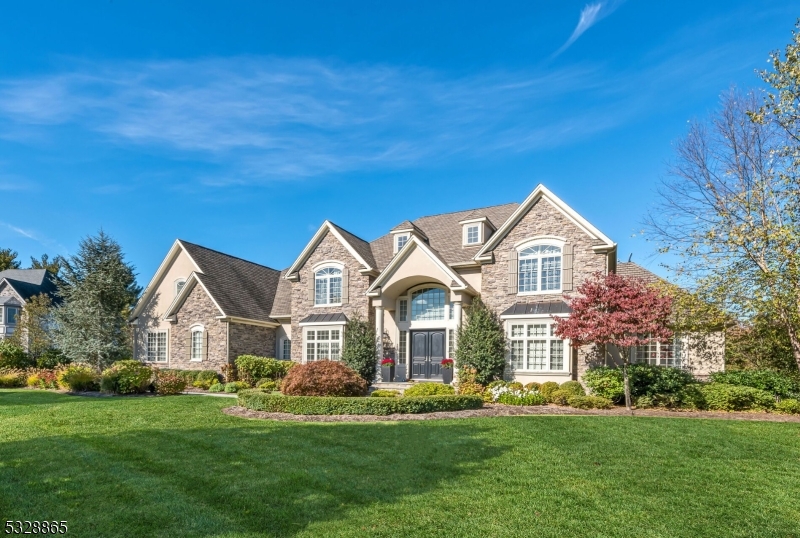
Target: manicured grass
(176, 466)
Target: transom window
(323, 344)
(196, 345)
(427, 304)
(660, 353)
(328, 286)
(400, 242)
(157, 346)
(535, 347)
(473, 234)
(540, 268)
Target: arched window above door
(427, 304)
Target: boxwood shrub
(723, 397)
(790, 406)
(777, 383)
(589, 402)
(327, 405)
(429, 389)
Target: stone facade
(198, 309)
(247, 339)
(329, 249)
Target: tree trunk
(627, 386)
(794, 337)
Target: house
(203, 308)
(17, 286)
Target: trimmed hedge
(429, 389)
(777, 383)
(326, 405)
(723, 397)
(790, 406)
(589, 402)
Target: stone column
(379, 330)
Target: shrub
(205, 375)
(52, 359)
(236, 386)
(252, 368)
(385, 393)
(497, 383)
(606, 382)
(523, 398)
(216, 387)
(589, 402)
(267, 384)
(170, 383)
(547, 388)
(314, 405)
(323, 378)
(13, 356)
(560, 396)
(467, 383)
(790, 406)
(777, 383)
(42, 379)
(724, 397)
(533, 385)
(78, 378)
(481, 343)
(126, 377)
(573, 387)
(360, 347)
(515, 385)
(12, 378)
(429, 389)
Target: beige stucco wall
(151, 318)
(473, 276)
(284, 332)
(417, 268)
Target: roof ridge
(348, 231)
(183, 241)
(464, 211)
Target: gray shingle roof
(241, 288)
(358, 244)
(636, 270)
(552, 307)
(282, 306)
(30, 282)
(444, 234)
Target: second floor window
(11, 315)
(473, 235)
(540, 268)
(328, 286)
(401, 241)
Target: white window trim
(322, 327)
(465, 238)
(537, 241)
(679, 351)
(397, 241)
(282, 349)
(524, 321)
(417, 322)
(166, 346)
(193, 329)
(16, 316)
(326, 265)
(177, 282)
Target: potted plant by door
(447, 371)
(387, 370)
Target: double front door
(427, 352)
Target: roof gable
(357, 247)
(542, 193)
(29, 282)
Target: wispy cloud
(591, 14)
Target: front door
(427, 352)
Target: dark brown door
(427, 352)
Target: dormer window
(400, 241)
(473, 234)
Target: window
(401, 347)
(535, 347)
(328, 286)
(11, 315)
(196, 345)
(540, 268)
(286, 349)
(157, 346)
(427, 304)
(403, 310)
(660, 353)
(473, 234)
(323, 344)
(399, 242)
(1, 315)
(179, 285)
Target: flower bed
(332, 405)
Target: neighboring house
(17, 286)
(204, 308)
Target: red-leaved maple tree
(616, 310)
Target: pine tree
(481, 343)
(360, 347)
(53, 266)
(98, 289)
(8, 259)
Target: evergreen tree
(54, 265)
(8, 259)
(481, 343)
(98, 288)
(360, 347)
(34, 326)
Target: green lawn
(177, 466)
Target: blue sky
(243, 125)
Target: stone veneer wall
(246, 339)
(329, 249)
(542, 219)
(198, 308)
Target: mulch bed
(496, 410)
